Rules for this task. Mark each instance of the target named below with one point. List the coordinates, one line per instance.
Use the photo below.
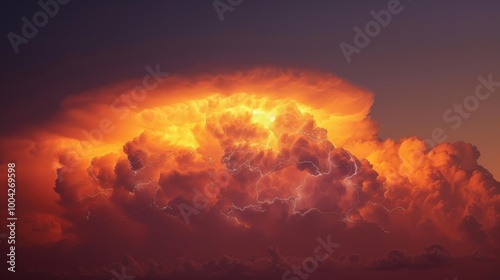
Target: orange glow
(245, 140)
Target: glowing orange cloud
(231, 147)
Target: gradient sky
(427, 59)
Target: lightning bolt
(232, 168)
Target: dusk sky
(290, 122)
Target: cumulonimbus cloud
(233, 164)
